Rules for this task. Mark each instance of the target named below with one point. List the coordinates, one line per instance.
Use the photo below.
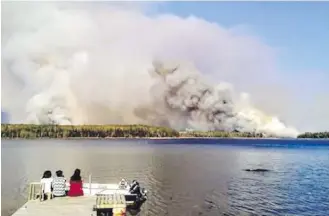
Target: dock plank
(64, 206)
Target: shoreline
(164, 138)
(121, 132)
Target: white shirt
(47, 184)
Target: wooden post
(30, 192)
(33, 191)
(89, 184)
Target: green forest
(220, 134)
(316, 135)
(31, 131)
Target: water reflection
(181, 179)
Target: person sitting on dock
(144, 193)
(59, 184)
(47, 180)
(133, 184)
(135, 189)
(76, 184)
(123, 184)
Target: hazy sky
(276, 51)
(298, 31)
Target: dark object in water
(257, 170)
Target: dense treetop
(30, 131)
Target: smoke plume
(97, 63)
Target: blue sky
(299, 29)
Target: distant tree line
(221, 134)
(316, 135)
(30, 131)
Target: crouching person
(123, 184)
(135, 189)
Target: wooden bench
(36, 191)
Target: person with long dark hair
(46, 182)
(76, 184)
(59, 184)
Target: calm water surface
(183, 177)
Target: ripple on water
(182, 179)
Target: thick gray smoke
(183, 99)
(84, 63)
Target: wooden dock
(65, 206)
(70, 206)
(98, 199)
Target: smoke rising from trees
(72, 63)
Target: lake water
(183, 177)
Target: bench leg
(49, 195)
